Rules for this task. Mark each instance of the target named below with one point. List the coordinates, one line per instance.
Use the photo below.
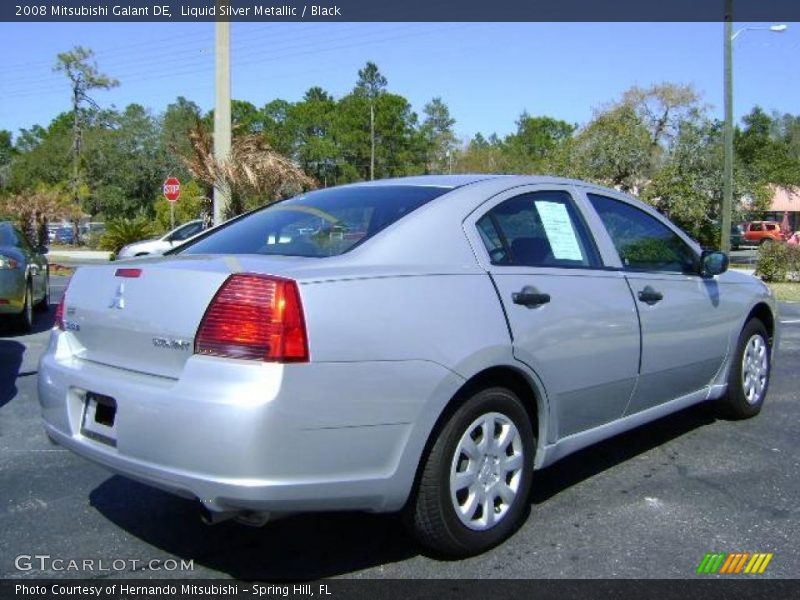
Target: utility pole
(222, 112)
(727, 177)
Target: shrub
(122, 232)
(778, 261)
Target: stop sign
(171, 189)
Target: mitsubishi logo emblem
(118, 301)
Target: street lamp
(727, 184)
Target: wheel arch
(763, 313)
(523, 384)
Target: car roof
(456, 181)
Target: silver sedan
(420, 345)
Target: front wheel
(473, 490)
(748, 378)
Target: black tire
(742, 401)
(431, 513)
(24, 320)
(44, 304)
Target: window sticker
(559, 230)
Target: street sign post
(172, 191)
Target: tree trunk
(372, 140)
(76, 155)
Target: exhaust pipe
(252, 518)
(212, 517)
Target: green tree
(125, 164)
(534, 146)
(371, 85)
(316, 149)
(614, 148)
(6, 152)
(84, 77)
(437, 129)
(765, 151)
(179, 119)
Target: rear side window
(755, 227)
(643, 242)
(319, 224)
(538, 229)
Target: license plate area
(100, 418)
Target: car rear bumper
(255, 436)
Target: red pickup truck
(759, 232)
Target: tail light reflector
(255, 317)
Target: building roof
(785, 199)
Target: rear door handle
(530, 297)
(649, 296)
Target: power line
(255, 55)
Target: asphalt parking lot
(647, 504)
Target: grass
(786, 291)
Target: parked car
(24, 279)
(737, 236)
(761, 232)
(160, 245)
(480, 328)
(64, 235)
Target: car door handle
(530, 297)
(649, 296)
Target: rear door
(572, 321)
(685, 318)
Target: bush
(125, 231)
(778, 261)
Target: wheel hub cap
(755, 368)
(486, 471)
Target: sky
(487, 73)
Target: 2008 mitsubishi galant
(420, 344)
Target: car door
(37, 266)
(685, 319)
(572, 321)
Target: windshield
(323, 223)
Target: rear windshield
(323, 223)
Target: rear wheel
(44, 303)
(765, 241)
(748, 378)
(473, 490)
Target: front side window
(538, 229)
(318, 224)
(643, 242)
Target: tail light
(255, 317)
(6, 262)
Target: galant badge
(118, 301)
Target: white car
(167, 242)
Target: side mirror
(713, 263)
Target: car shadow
(42, 321)
(10, 361)
(313, 546)
(297, 548)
